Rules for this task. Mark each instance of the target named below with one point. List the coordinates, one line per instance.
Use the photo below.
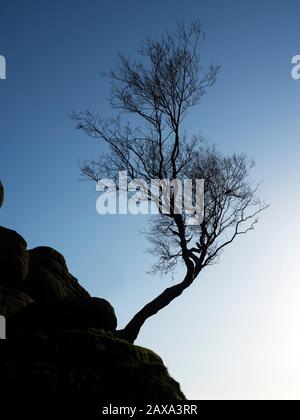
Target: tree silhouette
(157, 92)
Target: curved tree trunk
(132, 329)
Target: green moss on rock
(84, 365)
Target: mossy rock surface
(60, 342)
(83, 365)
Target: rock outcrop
(67, 313)
(13, 258)
(61, 343)
(80, 365)
(12, 301)
(48, 276)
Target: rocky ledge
(61, 342)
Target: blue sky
(235, 333)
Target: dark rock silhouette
(61, 343)
(68, 313)
(81, 365)
(12, 301)
(48, 276)
(13, 258)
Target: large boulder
(12, 301)
(68, 313)
(13, 258)
(48, 276)
(81, 365)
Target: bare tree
(158, 91)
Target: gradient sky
(236, 332)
